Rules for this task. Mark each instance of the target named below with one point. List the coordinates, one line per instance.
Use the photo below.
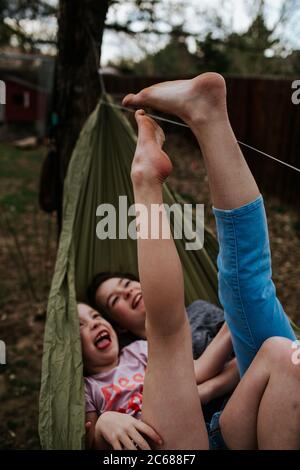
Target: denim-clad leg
(248, 295)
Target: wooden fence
(262, 115)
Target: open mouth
(103, 340)
(136, 300)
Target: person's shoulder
(89, 383)
(93, 395)
(136, 347)
(136, 351)
(89, 380)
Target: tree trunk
(81, 25)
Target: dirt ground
(27, 256)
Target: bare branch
(25, 38)
(124, 28)
(287, 8)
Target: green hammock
(99, 172)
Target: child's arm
(213, 359)
(118, 431)
(223, 383)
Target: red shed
(25, 102)
(28, 81)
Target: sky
(236, 14)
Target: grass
(27, 255)
(13, 161)
(19, 173)
(19, 201)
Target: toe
(139, 112)
(140, 117)
(129, 99)
(143, 125)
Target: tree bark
(80, 31)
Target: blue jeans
(215, 438)
(252, 311)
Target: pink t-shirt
(121, 388)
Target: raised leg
(170, 399)
(252, 310)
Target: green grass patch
(19, 202)
(15, 163)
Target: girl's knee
(280, 352)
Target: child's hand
(122, 431)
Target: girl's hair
(102, 277)
(127, 337)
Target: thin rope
(97, 59)
(270, 156)
(102, 84)
(113, 105)
(124, 108)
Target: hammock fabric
(99, 172)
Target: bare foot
(197, 100)
(150, 164)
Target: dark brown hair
(124, 338)
(102, 277)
